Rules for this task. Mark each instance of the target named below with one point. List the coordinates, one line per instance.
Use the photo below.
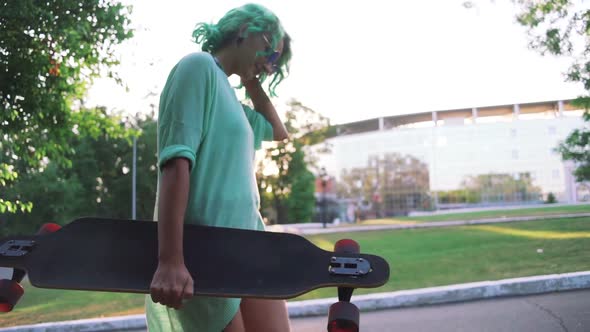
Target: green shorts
(199, 314)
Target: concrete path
(312, 229)
(562, 311)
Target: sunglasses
(273, 55)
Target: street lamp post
(323, 177)
(134, 125)
(134, 180)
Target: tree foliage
(98, 183)
(290, 191)
(49, 53)
(576, 147)
(562, 28)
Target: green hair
(258, 19)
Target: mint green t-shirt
(201, 119)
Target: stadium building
(481, 156)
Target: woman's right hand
(172, 283)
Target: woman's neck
(226, 60)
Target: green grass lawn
(418, 258)
(540, 211)
(442, 256)
(49, 305)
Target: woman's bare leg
(236, 324)
(265, 315)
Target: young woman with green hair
(206, 145)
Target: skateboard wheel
(10, 292)
(348, 246)
(48, 228)
(342, 326)
(343, 317)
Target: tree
(98, 183)
(290, 191)
(116, 160)
(562, 28)
(49, 53)
(301, 200)
(57, 194)
(576, 147)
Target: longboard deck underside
(121, 256)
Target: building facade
(494, 155)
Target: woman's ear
(242, 34)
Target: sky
(356, 60)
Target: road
(565, 311)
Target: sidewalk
(312, 229)
(370, 302)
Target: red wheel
(348, 246)
(10, 292)
(343, 317)
(48, 228)
(342, 326)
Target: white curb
(451, 293)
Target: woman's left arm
(264, 106)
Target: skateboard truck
(10, 289)
(349, 266)
(16, 248)
(344, 316)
